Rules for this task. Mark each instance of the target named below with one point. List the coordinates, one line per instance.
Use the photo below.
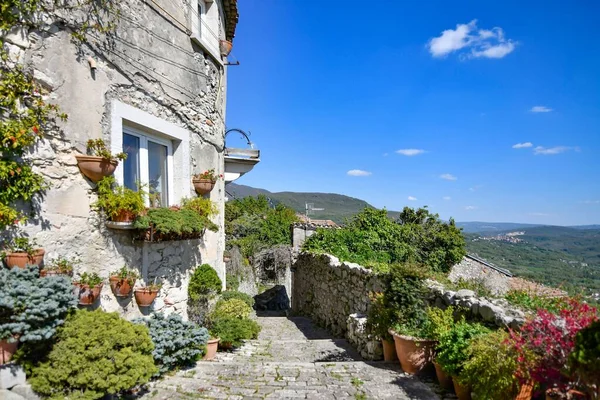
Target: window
(206, 30)
(147, 163)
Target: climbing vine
(24, 113)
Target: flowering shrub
(545, 342)
(210, 175)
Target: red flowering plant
(545, 342)
(210, 175)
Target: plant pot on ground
(89, 287)
(463, 392)
(7, 349)
(59, 266)
(120, 204)
(414, 354)
(21, 252)
(122, 281)
(99, 162)
(144, 296)
(443, 378)
(205, 181)
(211, 349)
(379, 320)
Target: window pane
(157, 174)
(131, 166)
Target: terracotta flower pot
(45, 272)
(21, 259)
(7, 350)
(414, 354)
(225, 47)
(463, 392)
(96, 168)
(87, 295)
(145, 296)
(124, 216)
(120, 287)
(443, 378)
(211, 349)
(226, 259)
(389, 351)
(526, 391)
(203, 186)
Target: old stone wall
(472, 269)
(335, 295)
(151, 64)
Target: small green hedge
(203, 282)
(95, 354)
(232, 294)
(232, 308)
(232, 331)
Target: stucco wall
(149, 63)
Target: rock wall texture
(273, 266)
(470, 269)
(151, 64)
(335, 295)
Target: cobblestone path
(291, 359)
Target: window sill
(206, 46)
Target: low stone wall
(335, 295)
(329, 292)
(471, 269)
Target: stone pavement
(291, 359)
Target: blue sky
(334, 89)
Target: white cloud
(358, 172)
(410, 152)
(448, 177)
(550, 151)
(540, 109)
(590, 202)
(483, 43)
(447, 198)
(469, 208)
(411, 198)
(522, 145)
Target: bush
(440, 322)
(533, 302)
(490, 367)
(405, 295)
(585, 358)
(203, 282)
(453, 349)
(380, 318)
(231, 294)
(177, 343)
(372, 237)
(201, 205)
(96, 354)
(33, 307)
(174, 224)
(113, 199)
(232, 331)
(232, 308)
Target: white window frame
(144, 138)
(131, 120)
(208, 15)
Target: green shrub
(585, 358)
(201, 205)
(112, 198)
(177, 343)
(231, 294)
(232, 308)
(203, 282)
(490, 367)
(232, 331)
(372, 237)
(96, 353)
(453, 350)
(380, 318)
(532, 302)
(440, 322)
(171, 224)
(232, 282)
(33, 307)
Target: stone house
(153, 85)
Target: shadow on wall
(274, 299)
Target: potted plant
(23, 251)
(439, 323)
(89, 286)
(211, 348)
(453, 352)
(145, 295)
(122, 281)
(99, 162)
(544, 343)
(225, 47)
(59, 266)
(379, 320)
(120, 204)
(584, 361)
(205, 181)
(226, 256)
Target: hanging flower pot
(443, 378)
(389, 351)
(96, 168)
(59, 266)
(414, 354)
(211, 349)
(7, 349)
(225, 46)
(203, 186)
(22, 259)
(122, 281)
(88, 294)
(144, 296)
